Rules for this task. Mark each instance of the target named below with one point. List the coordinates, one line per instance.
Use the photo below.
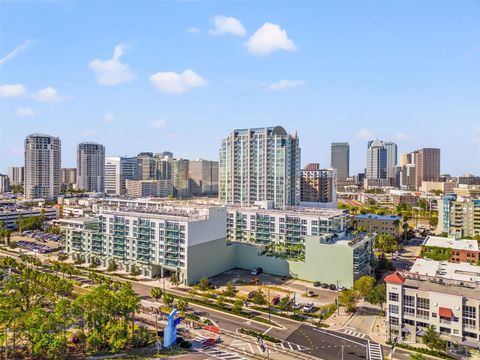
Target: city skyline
(326, 78)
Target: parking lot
(274, 286)
(37, 245)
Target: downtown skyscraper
(42, 166)
(91, 167)
(260, 164)
(340, 159)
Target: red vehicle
(276, 300)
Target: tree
(174, 279)
(386, 243)
(237, 306)
(285, 303)
(364, 286)
(203, 284)
(377, 296)
(259, 298)
(433, 340)
(220, 301)
(167, 299)
(135, 270)
(112, 266)
(348, 298)
(182, 305)
(156, 293)
(230, 290)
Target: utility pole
(156, 328)
(338, 302)
(269, 317)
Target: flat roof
(446, 270)
(291, 211)
(443, 242)
(378, 217)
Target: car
(324, 285)
(308, 308)
(310, 293)
(296, 306)
(332, 287)
(341, 288)
(276, 300)
(256, 271)
(317, 284)
(251, 294)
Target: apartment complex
(261, 164)
(42, 166)
(9, 214)
(156, 238)
(203, 175)
(91, 167)
(380, 224)
(460, 216)
(148, 188)
(455, 251)
(16, 175)
(117, 170)
(318, 186)
(340, 159)
(439, 294)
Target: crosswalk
(288, 346)
(353, 333)
(221, 354)
(374, 351)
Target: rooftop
(379, 217)
(471, 245)
(446, 271)
(293, 211)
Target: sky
(180, 76)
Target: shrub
(262, 336)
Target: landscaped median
(424, 351)
(257, 335)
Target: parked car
(296, 306)
(317, 284)
(251, 294)
(308, 307)
(324, 285)
(276, 300)
(256, 271)
(333, 287)
(341, 288)
(310, 293)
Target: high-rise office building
(427, 163)
(180, 177)
(318, 186)
(117, 171)
(203, 176)
(340, 159)
(42, 166)
(392, 161)
(405, 159)
(68, 177)
(91, 167)
(261, 164)
(4, 184)
(16, 175)
(147, 166)
(376, 160)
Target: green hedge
(263, 336)
(422, 350)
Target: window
(469, 323)
(394, 321)
(408, 311)
(409, 322)
(469, 311)
(393, 297)
(423, 303)
(423, 314)
(393, 309)
(409, 300)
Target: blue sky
(179, 76)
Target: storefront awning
(472, 344)
(445, 312)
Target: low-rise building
(10, 213)
(455, 251)
(445, 296)
(380, 224)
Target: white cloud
(268, 38)
(49, 94)
(365, 134)
(109, 117)
(227, 25)
(173, 83)
(285, 85)
(89, 133)
(12, 90)
(15, 51)
(193, 30)
(112, 72)
(158, 124)
(25, 112)
(476, 135)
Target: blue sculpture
(170, 331)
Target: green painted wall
(209, 259)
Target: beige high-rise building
(317, 186)
(427, 163)
(42, 166)
(405, 159)
(16, 175)
(203, 176)
(68, 177)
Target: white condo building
(117, 170)
(90, 167)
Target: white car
(296, 306)
(308, 307)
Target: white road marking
(353, 333)
(374, 351)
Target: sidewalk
(338, 321)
